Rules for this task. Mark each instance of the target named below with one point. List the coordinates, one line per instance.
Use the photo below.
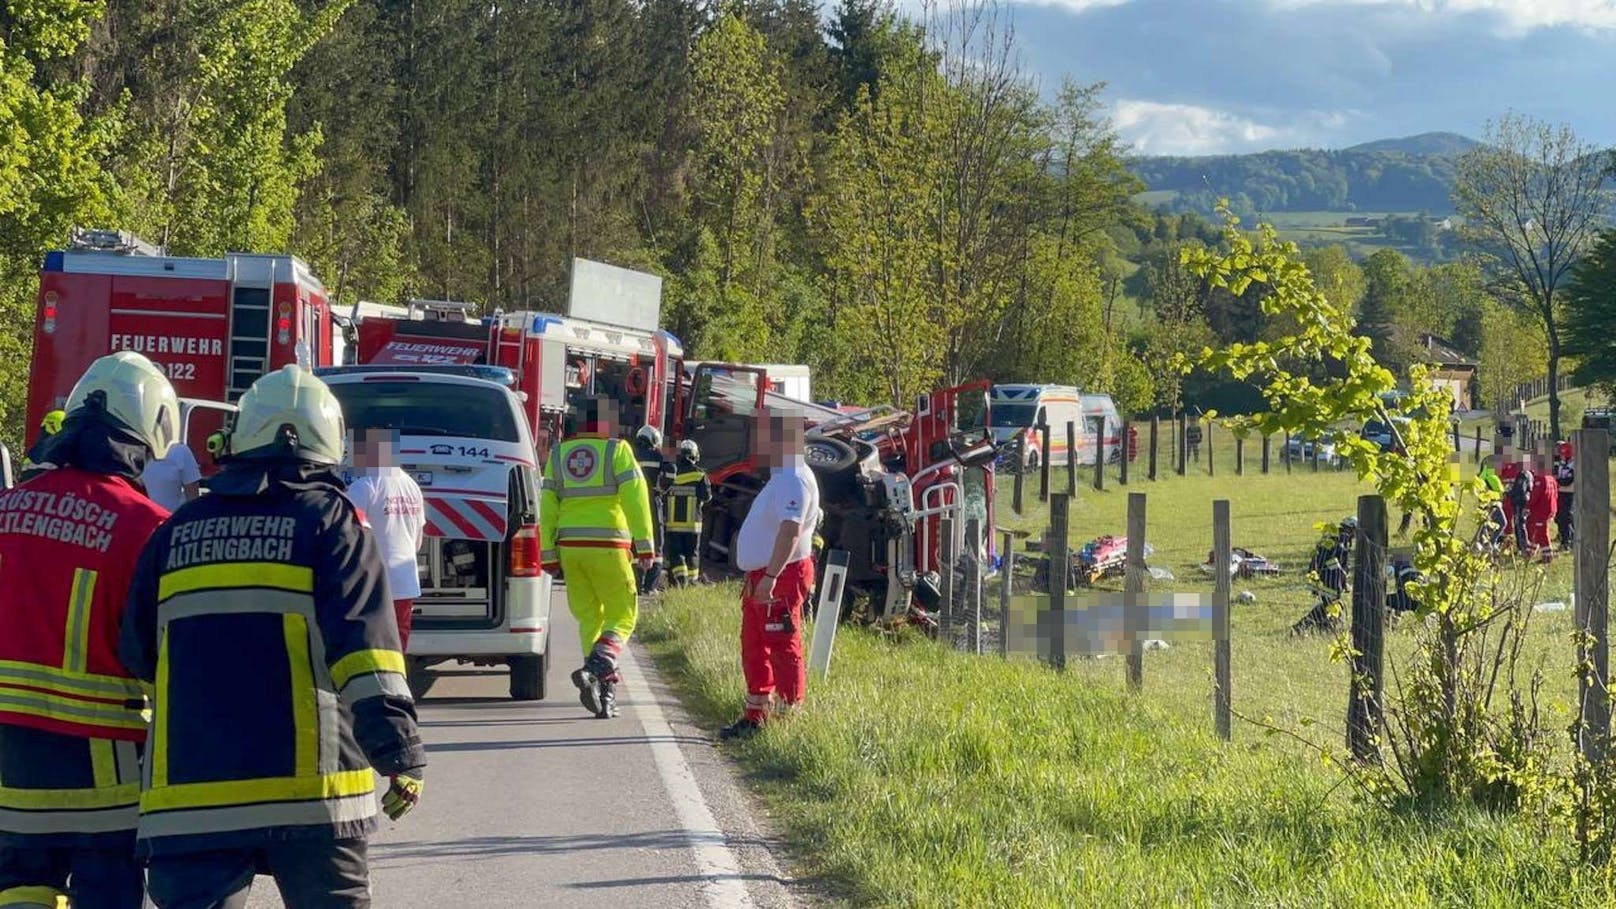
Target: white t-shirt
(390, 498)
(166, 477)
(792, 494)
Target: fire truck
(214, 325)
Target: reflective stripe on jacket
(687, 494)
(264, 623)
(594, 494)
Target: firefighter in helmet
(72, 718)
(1329, 569)
(261, 616)
(594, 522)
(648, 452)
(34, 461)
(688, 493)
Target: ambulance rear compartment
(462, 585)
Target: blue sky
(1214, 76)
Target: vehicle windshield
(1007, 415)
(429, 408)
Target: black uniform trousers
(94, 878)
(684, 562)
(314, 874)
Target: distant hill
(1410, 174)
(1440, 144)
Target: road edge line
(715, 861)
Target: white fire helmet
(688, 448)
(650, 436)
(135, 394)
(289, 406)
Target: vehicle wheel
(528, 677)
(420, 678)
(1032, 461)
(830, 456)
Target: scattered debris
(1554, 606)
(1244, 562)
(1157, 645)
(1161, 574)
(1246, 596)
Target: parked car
(1305, 448)
(1381, 434)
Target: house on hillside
(1450, 369)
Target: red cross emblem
(581, 463)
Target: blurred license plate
(423, 477)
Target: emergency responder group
(208, 693)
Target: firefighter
(34, 461)
(1329, 567)
(261, 616)
(648, 452)
(688, 493)
(72, 719)
(1565, 476)
(594, 513)
(1401, 598)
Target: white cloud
(1515, 17)
(1077, 6)
(1155, 128)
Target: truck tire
(830, 456)
(528, 677)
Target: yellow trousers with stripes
(601, 592)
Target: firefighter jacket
(262, 617)
(688, 492)
(594, 495)
(71, 716)
(1330, 560)
(653, 469)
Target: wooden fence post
(1099, 454)
(1071, 458)
(1266, 439)
(1368, 630)
(1239, 456)
(1478, 444)
(974, 541)
(1591, 593)
(1285, 453)
(1211, 468)
(1222, 702)
(1007, 580)
(1458, 445)
(1128, 449)
(1020, 481)
(1133, 588)
(1060, 566)
(1155, 435)
(1183, 442)
(1043, 464)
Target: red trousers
(404, 609)
(771, 640)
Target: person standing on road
(775, 549)
(594, 514)
(72, 719)
(391, 499)
(173, 479)
(260, 616)
(648, 452)
(688, 492)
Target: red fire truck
(214, 325)
(557, 361)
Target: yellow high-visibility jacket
(594, 495)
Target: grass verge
(920, 777)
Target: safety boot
(588, 689)
(608, 699)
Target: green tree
(1590, 319)
(1513, 351)
(1533, 200)
(51, 171)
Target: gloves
(404, 793)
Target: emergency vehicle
(213, 325)
(1027, 411)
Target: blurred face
(778, 439)
(374, 448)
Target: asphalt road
(538, 804)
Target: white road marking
(724, 888)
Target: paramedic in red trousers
(391, 499)
(775, 549)
(72, 719)
(1541, 508)
(260, 616)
